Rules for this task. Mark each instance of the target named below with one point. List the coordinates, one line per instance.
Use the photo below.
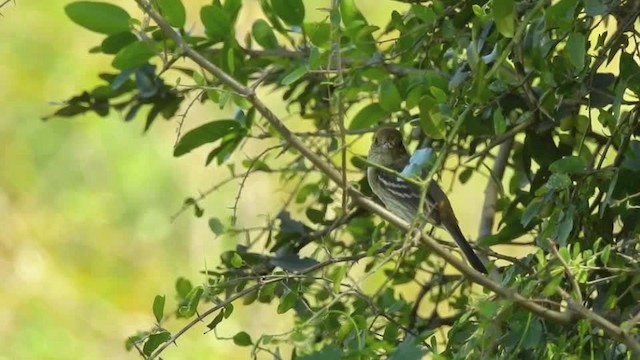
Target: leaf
(565, 227)
(408, 350)
(204, 134)
(560, 15)
(115, 42)
(438, 94)
(504, 12)
(290, 11)
(534, 335)
(531, 211)
(431, 120)
(594, 7)
(158, 307)
(293, 262)
(216, 226)
(216, 320)
(193, 299)
(173, 11)
(329, 352)
(558, 181)
(388, 96)
(155, 340)
(499, 123)
(236, 260)
(224, 151)
(264, 35)
(287, 302)
(568, 165)
(183, 287)
(576, 50)
(100, 17)
(216, 22)
(242, 339)
(296, 74)
(368, 116)
(133, 55)
(318, 33)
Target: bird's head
(387, 147)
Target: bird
(402, 198)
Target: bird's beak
(387, 145)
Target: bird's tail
(467, 250)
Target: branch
(491, 191)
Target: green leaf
(576, 50)
(568, 165)
(534, 335)
(293, 262)
(193, 299)
(133, 55)
(408, 350)
(242, 339)
(183, 287)
(499, 123)
(236, 260)
(368, 116)
(388, 95)
(216, 320)
(204, 134)
(224, 151)
(504, 12)
(318, 33)
(115, 42)
(560, 15)
(228, 310)
(173, 11)
(296, 74)
(350, 14)
(531, 211)
(432, 122)
(558, 181)
(287, 302)
(216, 226)
(100, 17)
(264, 35)
(438, 94)
(594, 7)
(216, 21)
(565, 227)
(155, 340)
(158, 307)
(290, 11)
(329, 352)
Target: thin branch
(493, 186)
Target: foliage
(470, 77)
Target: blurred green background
(86, 240)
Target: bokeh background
(86, 240)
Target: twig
(491, 191)
(572, 279)
(426, 287)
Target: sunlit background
(86, 240)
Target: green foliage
(526, 77)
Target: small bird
(403, 198)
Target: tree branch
(491, 191)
